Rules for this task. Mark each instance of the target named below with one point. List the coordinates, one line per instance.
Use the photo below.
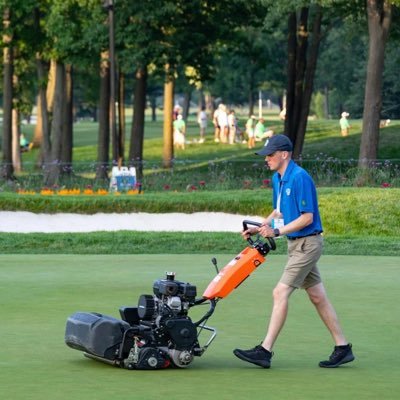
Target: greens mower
(158, 333)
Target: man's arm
(299, 223)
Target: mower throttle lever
(271, 241)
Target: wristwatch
(277, 232)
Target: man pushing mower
(297, 217)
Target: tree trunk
(379, 14)
(251, 102)
(45, 156)
(67, 123)
(311, 66)
(121, 118)
(168, 143)
(104, 120)
(326, 102)
(38, 132)
(7, 172)
(49, 100)
(153, 103)
(291, 75)
(54, 169)
(51, 85)
(301, 62)
(16, 133)
(201, 101)
(137, 130)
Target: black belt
(301, 237)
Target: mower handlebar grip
(247, 222)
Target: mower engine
(155, 334)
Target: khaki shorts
(301, 269)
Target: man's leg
(319, 298)
(342, 353)
(281, 296)
(261, 354)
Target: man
(179, 126)
(344, 124)
(296, 216)
(250, 132)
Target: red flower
(385, 185)
(202, 183)
(266, 182)
(167, 187)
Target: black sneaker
(257, 355)
(341, 355)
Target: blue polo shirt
(298, 195)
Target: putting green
(39, 292)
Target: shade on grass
(39, 292)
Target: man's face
(275, 160)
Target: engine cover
(182, 331)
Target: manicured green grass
(38, 293)
(126, 242)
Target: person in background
(344, 124)
(223, 123)
(296, 216)
(176, 111)
(179, 132)
(202, 121)
(217, 129)
(24, 144)
(261, 132)
(232, 126)
(250, 124)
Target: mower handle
(272, 244)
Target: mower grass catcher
(158, 333)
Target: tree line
(57, 50)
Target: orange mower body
(234, 273)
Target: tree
(301, 70)
(379, 15)
(103, 146)
(137, 132)
(7, 172)
(16, 38)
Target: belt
(301, 237)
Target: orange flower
(46, 192)
(102, 192)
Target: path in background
(27, 222)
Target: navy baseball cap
(276, 143)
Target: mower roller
(158, 332)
